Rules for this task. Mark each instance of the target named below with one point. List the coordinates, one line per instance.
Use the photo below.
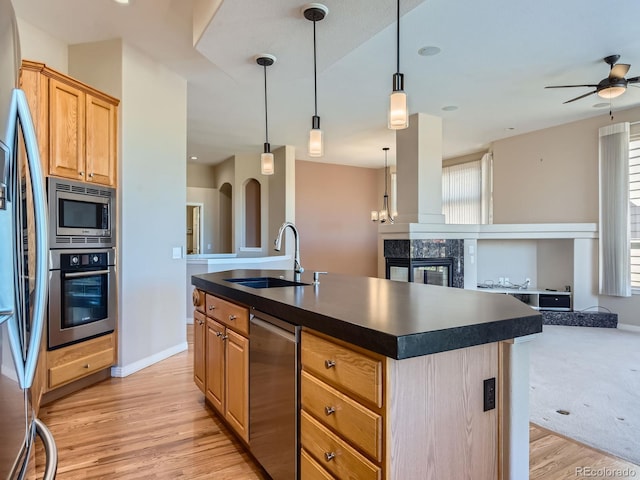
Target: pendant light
(266, 159)
(384, 215)
(315, 12)
(398, 113)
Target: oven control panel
(83, 260)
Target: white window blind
(467, 192)
(634, 202)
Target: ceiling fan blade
(619, 70)
(633, 80)
(581, 96)
(570, 86)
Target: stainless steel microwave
(81, 215)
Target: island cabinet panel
(226, 359)
(199, 329)
(439, 428)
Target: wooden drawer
(233, 316)
(343, 367)
(334, 454)
(198, 299)
(76, 361)
(311, 470)
(354, 422)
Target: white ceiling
(496, 57)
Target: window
(467, 192)
(634, 204)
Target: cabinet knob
(329, 410)
(87, 365)
(218, 334)
(224, 337)
(329, 364)
(81, 174)
(328, 456)
(91, 175)
(232, 317)
(211, 307)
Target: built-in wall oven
(82, 295)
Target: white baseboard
(628, 327)
(127, 370)
(189, 320)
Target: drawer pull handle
(224, 337)
(329, 456)
(211, 307)
(329, 364)
(87, 366)
(329, 410)
(218, 334)
(232, 317)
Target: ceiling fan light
(398, 114)
(611, 92)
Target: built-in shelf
(543, 300)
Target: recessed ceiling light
(450, 108)
(429, 51)
(510, 129)
(601, 105)
(193, 157)
(122, 2)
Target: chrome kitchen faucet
(297, 268)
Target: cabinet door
(66, 130)
(100, 141)
(214, 384)
(237, 408)
(199, 337)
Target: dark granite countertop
(396, 319)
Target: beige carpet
(593, 374)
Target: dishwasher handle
(276, 326)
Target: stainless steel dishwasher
(273, 394)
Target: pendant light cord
(315, 72)
(266, 117)
(398, 41)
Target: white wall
(39, 46)
(153, 197)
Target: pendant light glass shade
(316, 147)
(266, 161)
(398, 115)
(398, 111)
(385, 214)
(611, 92)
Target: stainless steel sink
(265, 282)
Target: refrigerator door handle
(51, 465)
(26, 374)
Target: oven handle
(85, 274)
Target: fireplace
(436, 262)
(433, 271)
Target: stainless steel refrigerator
(23, 266)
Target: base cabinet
(224, 364)
(370, 417)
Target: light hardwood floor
(154, 425)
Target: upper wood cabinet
(76, 122)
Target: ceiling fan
(611, 87)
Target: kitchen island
(398, 380)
